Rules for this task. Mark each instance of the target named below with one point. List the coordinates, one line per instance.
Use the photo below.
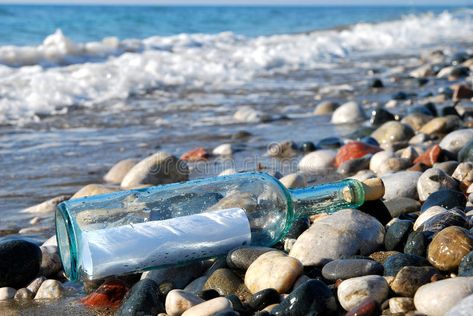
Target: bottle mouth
(66, 240)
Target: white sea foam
(59, 73)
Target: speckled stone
(346, 232)
(273, 270)
(448, 247)
(393, 264)
(311, 298)
(410, 278)
(350, 268)
(430, 301)
(225, 282)
(433, 180)
(352, 291)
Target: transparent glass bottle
(143, 229)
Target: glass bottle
(143, 229)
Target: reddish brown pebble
(462, 92)
(430, 157)
(418, 167)
(354, 150)
(108, 295)
(436, 277)
(367, 307)
(337, 282)
(195, 154)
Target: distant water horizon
(29, 24)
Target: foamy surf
(48, 78)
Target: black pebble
(396, 262)
(263, 298)
(380, 116)
(466, 266)
(142, 299)
(416, 244)
(377, 83)
(446, 198)
(396, 235)
(299, 226)
(378, 210)
(20, 261)
(208, 294)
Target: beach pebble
(427, 214)
(393, 132)
(108, 295)
(179, 275)
(350, 268)
(209, 308)
(307, 147)
(396, 234)
(35, 284)
(462, 308)
(49, 289)
(393, 264)
(142, 299)
(430, 156)
(401, 305)
(247, 114)
(453, 217)
(293, 180)
(178, 301)
(462, 92)
(312, 297)
(363, 175)
(119, 170)
(223, 150)
(433, 180)
(464, 174)
(50, 262)
(448, 247)
(317, 160)
(380, 116)
(401, 184)
(242, 257)
(417, 120)
(352, 291)
(297, 228)
(441, 125)
(94, 189)
(225, 282)
(410, 278)
(325, 107)
(160, 168)
(283, 149)
(273, 270)
(354, 150)
(447, 166)
(446, 198)
(416, 244)
(466, 153)
(392, 165)
(20, 261)
(430, 301)
(378, 160)
(23, 294)
(422, 71)
(456, 140)
(353, 165)
(196, 154)
(264, 298)
(409, 153)
(46, 207)
(346, 232)
(350, 112)
(7, 293)
(466, 265)
(402, 205)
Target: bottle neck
(327, 198)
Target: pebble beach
(405, 117)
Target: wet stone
(49, 289)
(243, 257)
(354, 150)
(433, 180)
(350, 112)
(35, 284)
(416, 244)
(393, 132)
(142, 299)
(350, 268)
(19, 264)
(380, 116)
(448, 247)
(263, 298)
(367, 307)
(326, 107)
(466, 265)
(311, 298)
(446, 198)
(396, 234)
(410, 278)
(307, 147)
(7, 293)
(317, 160)
(330, 143)
(376, 83)
(23, 294)
(353, 291)
(436, 223)
(393, 264)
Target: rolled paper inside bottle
(374, 189)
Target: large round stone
(401, 184)
(393, 132)
(20, 261)
(350, 112)
(353, 291)
(433, 180)
(345, 233)
(456, 140)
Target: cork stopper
(374, 189)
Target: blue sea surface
(30, 24)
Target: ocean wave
(58, 73)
